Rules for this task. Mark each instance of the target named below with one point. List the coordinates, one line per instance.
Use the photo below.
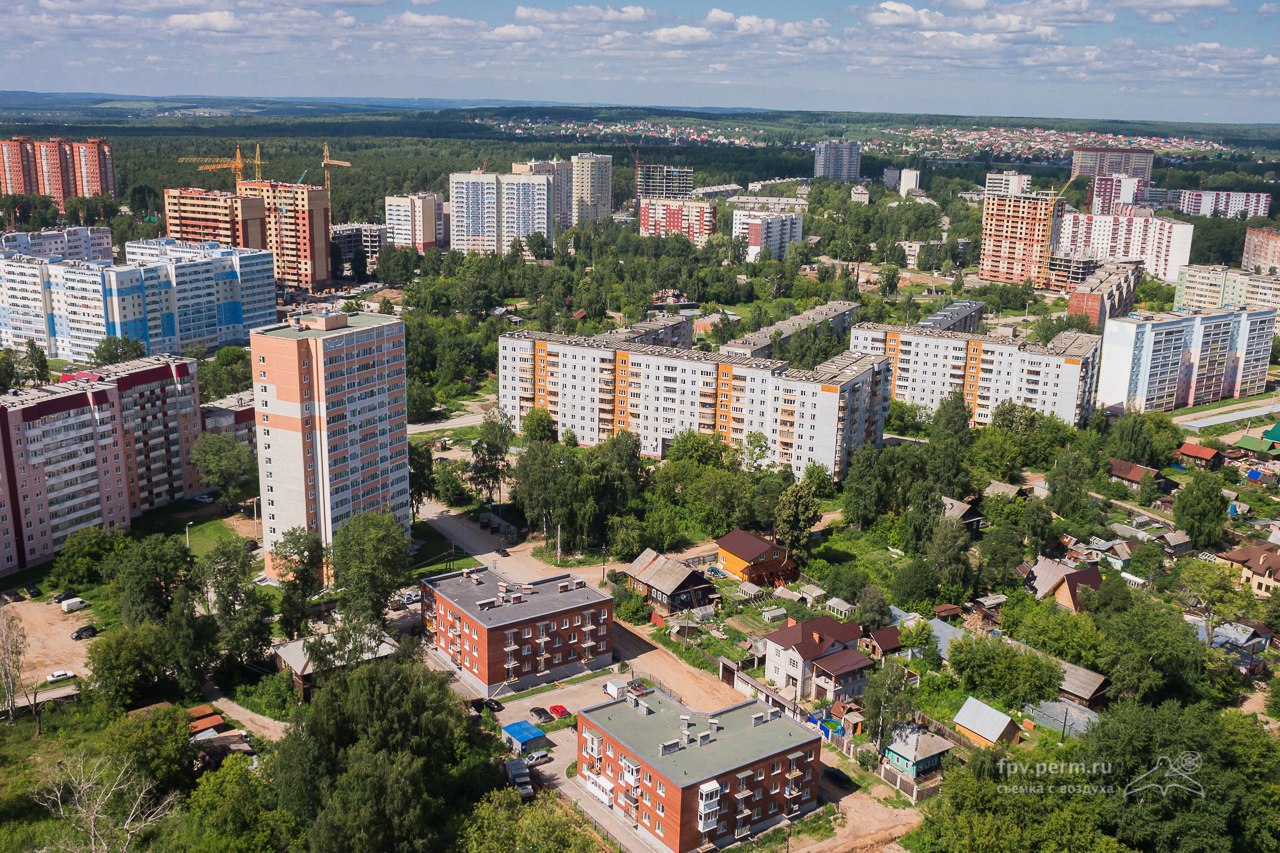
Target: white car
(60, 675)
(203, 499)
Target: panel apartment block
(329, 390)
(1130, 233)
(64, 468)
(232, 416)
(415, 220)
(761, 230)
(839, 160)
(297, 230)
(160, 419)
(592, 192)
(561, 173)
(57, 168)
(963, 316)
(928, 365)
(837, 315)
(1261, 251)
(505, 637)
(598, 388)
(194, 215)
(1202, 287)
(654, 180)
(68, 244)
(488, 211)
(1007, 183)
(1162, 362)
(697, 781)
(1018, 233)
(663, 217)
(1131, 162)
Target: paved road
(472, 415)
(66, 691)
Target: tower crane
(326, 161)
(635, 156)
(235, 164)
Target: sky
(1179, 60)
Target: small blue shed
(524, 737)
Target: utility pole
(557, 542)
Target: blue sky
(1192, 60)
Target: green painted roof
(1273, 434)
(1257, 444)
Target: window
(662, 808)
(658, 828)
(608, 748)
(662, 789)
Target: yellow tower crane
(236, 164)
(328, 161)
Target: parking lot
(49, 643)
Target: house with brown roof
(1062, 582)
(1259, 566)
(885, 641)
(669, 585)
(1131, 474)
(965, 513)
(751, 558)
(1206, 458)
(816, 659)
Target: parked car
(88, 632)
(493, 705)
(638, 688)
(71, 605)
(542, 715)
(60, 675)
(12, 596)
(537, 758)
(502, 552)
(203, 499)
(559, 711)
(411, 597)
(64, 595)
(838, 777)
(31, 591)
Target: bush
(272, 696)
(630, 606)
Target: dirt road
(253, 723)
(700, 690)
(49, 643)
(472, 415)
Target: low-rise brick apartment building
(695, 781)
(505, 636)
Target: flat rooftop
(1186, 314)
(476, 592)
(1065, 344)
(338, 322)
(839, 367)
(791, 325)
(738, 739)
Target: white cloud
(589, 13)
(719, 17)
(894, 14)
(219, 22)
(1269, 9)
(514, 32)
(682, 35)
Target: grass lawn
(433, 555)
(547, 688)
(207, 528)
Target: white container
(71, 605)
(615, 688)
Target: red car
(559, 711)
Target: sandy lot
(700, 690)
(49, 643)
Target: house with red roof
(816, 659)
(1131, 474)
(754, 559)
(1202, 457)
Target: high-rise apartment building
(1215, 203)
(1018, 233)
(95, 168)
(592, 194)
(57, 168)
(1110, 191)
(1208, 288)
(297, 230)
(1261, 251)
(655, 180)
(169, 295)
(416, 220)
(601, 386)
(662, 217)
(488, 211)
(1130, 233)
(1133, 162)
(928, 365)
(194, 215)
(1108, 292)
(1007, 183)
(160, 421)
(1162, 362)
(908, 181)
(838, 159)
(329, 390)
(561, 173)
(18, 167)
(63, 468)
(774, 231)
(68, 244)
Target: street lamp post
(189, 523)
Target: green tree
(80, 561)
(888, 276)
(298, 558)
(818, 476)
(797, 513)
(873, 609)
(422, 475)
(948, 555)
(145, 575)
(989, 668)
(1147, 561)
(227, 373)
(232, 810)
(949, 441)
(863, 488)
(226, 573)
(1211, 587)
(113, 350)
(1037, 525)
(359, 264)
(923, 511)
(915, 584)
(889, 700)
(370, 559)
(1131, 439)
(1002, 551)
(157, 743)
(386, 307)
(191, 643)
(489, 466)
(501, 822)
(1200, 509)
(128, 664)
(537, 425)
(9, 371)
(225, 464)
(33, 367)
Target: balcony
(511, 646)
(742, 794)
(792, 793)
(741, 831)
(707, 824)
(743, 813)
